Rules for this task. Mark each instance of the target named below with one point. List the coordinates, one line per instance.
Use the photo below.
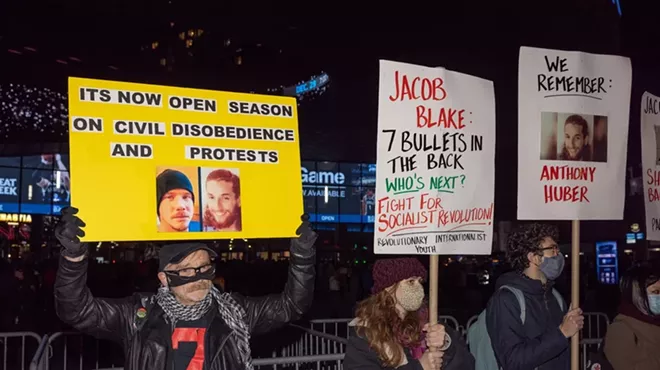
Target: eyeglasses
(192, 271)
(554, 248)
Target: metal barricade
(73, 350)
(322, 348)
(340, 327)
(449, 320)
(595, 325)
(312, 343)
(15, 352)
(40, 358)
(592, 335)
(470, 322)
(585, 345)
(336, 327)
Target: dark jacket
(538, 343)
(360, 356)
(147, 341)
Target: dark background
(281, 44)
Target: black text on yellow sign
(165, 163)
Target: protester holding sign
(527, 319)
(391, 329)
(188, 324)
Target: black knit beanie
(170, 180)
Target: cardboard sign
(572, 134)
(650, 119)
(165, 163)
(436, 162)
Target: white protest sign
(650, 119)
(572, 134)
(436, 161)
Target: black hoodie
(538, 343)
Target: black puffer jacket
(147, 341)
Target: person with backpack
(527, 325)
(391, 329)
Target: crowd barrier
(17, 349)
(339, 327)
(322, 345)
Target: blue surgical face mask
(552, 267)
(654, 303)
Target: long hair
(385, 331)
(633, 285)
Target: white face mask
(410, 296)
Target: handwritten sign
(572, 134)
(165, 163)
(650, 130)
(436, 161)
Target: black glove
(303, 246)
(68, 231)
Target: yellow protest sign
(165, 163)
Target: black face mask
(175, 280)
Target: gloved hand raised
(303, 246)
(68, 232)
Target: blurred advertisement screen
(10, 183)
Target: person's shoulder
(505, 293)
(240, 299)
(625, 322)
(619, 329)
(356, 339)
(504, 298)
(353, 328)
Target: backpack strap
(521, 300)
(559, 299)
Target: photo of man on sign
(573, 137)
(175, 200)
(222, 199)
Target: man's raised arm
(275, 310)
(74, 302)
